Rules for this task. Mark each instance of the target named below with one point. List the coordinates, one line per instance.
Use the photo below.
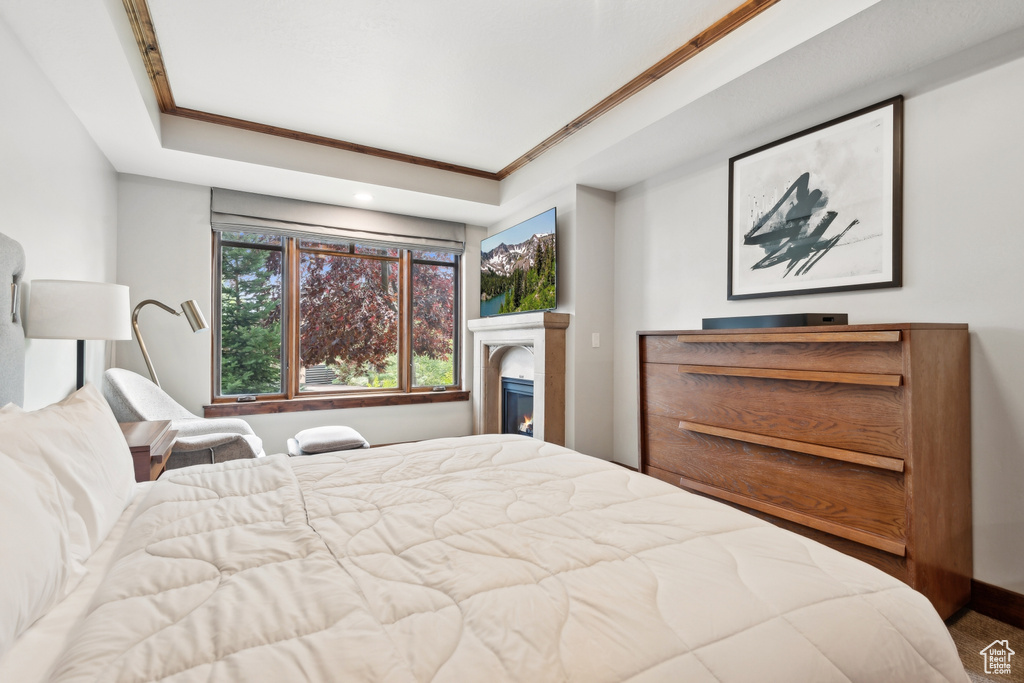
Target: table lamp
(73, 309)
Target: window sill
(296, 405)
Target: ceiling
(479, 85)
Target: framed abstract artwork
(820, 210)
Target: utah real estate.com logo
(997, 657)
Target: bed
(484, 558)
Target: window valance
(233, 211)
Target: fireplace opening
(516, 406)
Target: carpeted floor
(972, 632)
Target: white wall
(590, 403)
(963, 240)
(58, 197)
(165, 253)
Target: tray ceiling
(473, 86)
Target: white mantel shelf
(521, 321)
(543, 334)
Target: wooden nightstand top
(150, 443)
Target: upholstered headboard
(12, 336)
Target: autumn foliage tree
(433, 297)
(349, 313)
(348, 310)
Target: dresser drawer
(894, 565)
(848, 416)
(853, 496)
(868, 357)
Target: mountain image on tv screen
(517, 268)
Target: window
(250, 314)
(303, 317)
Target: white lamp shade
(72, 309)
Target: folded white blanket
(483, 559)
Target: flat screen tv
(517, 268)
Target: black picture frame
(820, 210)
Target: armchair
(200, 440)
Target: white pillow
(36, 565)
(79, 440)
(80, 549)
(323, 439)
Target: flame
(526, 425)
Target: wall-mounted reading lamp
(190, 309)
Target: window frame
(291, 398)
(456, 266)
(293, 293)
(215, 366)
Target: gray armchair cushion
(194, 426)
(133, 398)
(207, 448)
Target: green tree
(250, 321)
(528, 289)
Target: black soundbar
(781, 320)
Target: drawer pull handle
(879, 461)
(864, 378)
(862, 537)
(790, 337)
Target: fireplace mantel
(543, 334)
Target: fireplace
(541, 335)
(516, 406)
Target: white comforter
(483, 559)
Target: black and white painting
(819, 211)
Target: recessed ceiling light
(364, 197)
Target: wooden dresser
(857, 436)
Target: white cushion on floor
(332, 438)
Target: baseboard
(622, 464)
(998, 603)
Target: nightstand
(150, 444)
